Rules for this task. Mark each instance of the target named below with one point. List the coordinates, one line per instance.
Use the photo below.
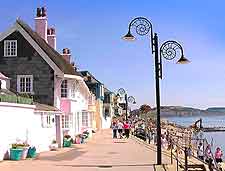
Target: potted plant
(78, 139)
(16, 152)
(31, 152)
(53, 146)
(25, 148)
(67, 141)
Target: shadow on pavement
(68, 155)
(108, 166)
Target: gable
(24, 49)
(51, 56)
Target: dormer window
(10, 48)
(64, 89)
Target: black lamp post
(130, 99)
(168, 50)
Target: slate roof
(44, 107)
(88, 74)
(63, 65)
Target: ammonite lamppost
(169, 50)
(130, 99)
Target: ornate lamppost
(130, 99)
(169, 50)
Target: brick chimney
(51, 37)
(41, 22)
(66, 54)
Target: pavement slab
(100, 153)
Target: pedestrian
(126, 127)
(218, 155)
(120, 129)
(114, 128)
(208, 154)
(200, 151)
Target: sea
(217, 139)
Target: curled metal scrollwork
(141, 25)
(169, 49)
(131, 99)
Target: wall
(28, 62)
(19, 123)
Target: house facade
(97, 88)
(26, 121)
(108, 108)
(30, 59)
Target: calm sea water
(218, 138)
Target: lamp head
(129, 37)
(183, 60)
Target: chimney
(41, 22)
(74, 66)
(51, 37)
(66, 54)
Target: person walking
(126, 127)
(218, 155)
(208, 154)
(114, 128)
(200, 151)
(120, 129)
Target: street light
(168, 50)
(130, 99)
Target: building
(97, 88)
(29, 57)
(108, 108)
(22, 120)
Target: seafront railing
(180, 152)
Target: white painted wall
(19, 123)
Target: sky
(92, 29)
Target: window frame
(64, 89)
(9, 50)
(25, 83)
(67, 121)
(85, 119)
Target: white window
(64, 88)
(25, 83)
(67, 121)
(78, 121)
(84, 118)
(47, 120)
(10, 48)
(74, 89)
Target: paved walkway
(100, 153)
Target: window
(84, 118)
(10, 48)
(47, 120)
(25, 83)
(67, 121)
(74, 89)
(64, 88)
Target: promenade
(100, 153)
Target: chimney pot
(52, 31)
(38, 12)
(44, 13)
(66, 54)
(48, 31)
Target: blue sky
(92, 29)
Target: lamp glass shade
(183, 60)
(129, 37)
